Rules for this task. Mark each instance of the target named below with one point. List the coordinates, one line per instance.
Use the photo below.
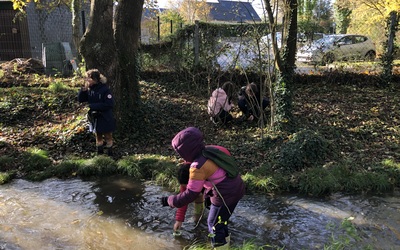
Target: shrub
(273, 183)
(68, 168)
(392, 169)
(57, 87)
(356, 181)
(39, 175)
(100, 166)
(5, 177)
(305, 149)
(147, 166)
(6, 162)
(36, 160)
(371, 182)
(317, 182)
(130, 166)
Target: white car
(236, 54)
(337, 48)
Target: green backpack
(223, 160)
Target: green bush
(264, 184)
(39, 175)
(371, 182)
(392, 169)
(305, 149)
(317, 182)
(5, 177)
(130, 166)
(98, 166)
(68, 168)
(36, 160)
(57, 87)
(6, 162)
(147, 166)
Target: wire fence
(248, 47)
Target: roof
(151, 13)
(232, 11)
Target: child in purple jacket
(213, 168)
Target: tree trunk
(76, 20)
(292, 36)
(388, 57)
(127, 33)
(281, 94)
(97, 45)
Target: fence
(247, 47)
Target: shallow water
(121, 213)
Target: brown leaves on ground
(359, 117)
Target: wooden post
(196, 43)
(158, 28)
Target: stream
(122, 213)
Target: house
(220, 11)
(232, 11)
(148, 32)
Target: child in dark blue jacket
(102, 123)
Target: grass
(346, 139)
(344, 236)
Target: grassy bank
(347, 137)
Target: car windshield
(326, 40)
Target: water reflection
(121, 213)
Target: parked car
(266, 41)
(337, 48)
(307, 38)
(233, 54)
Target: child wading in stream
(214, 169)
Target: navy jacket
(101, 100)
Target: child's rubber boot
(227, 245)
(228, 239)
(109, 151)
(100, 150)
(198, 211)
